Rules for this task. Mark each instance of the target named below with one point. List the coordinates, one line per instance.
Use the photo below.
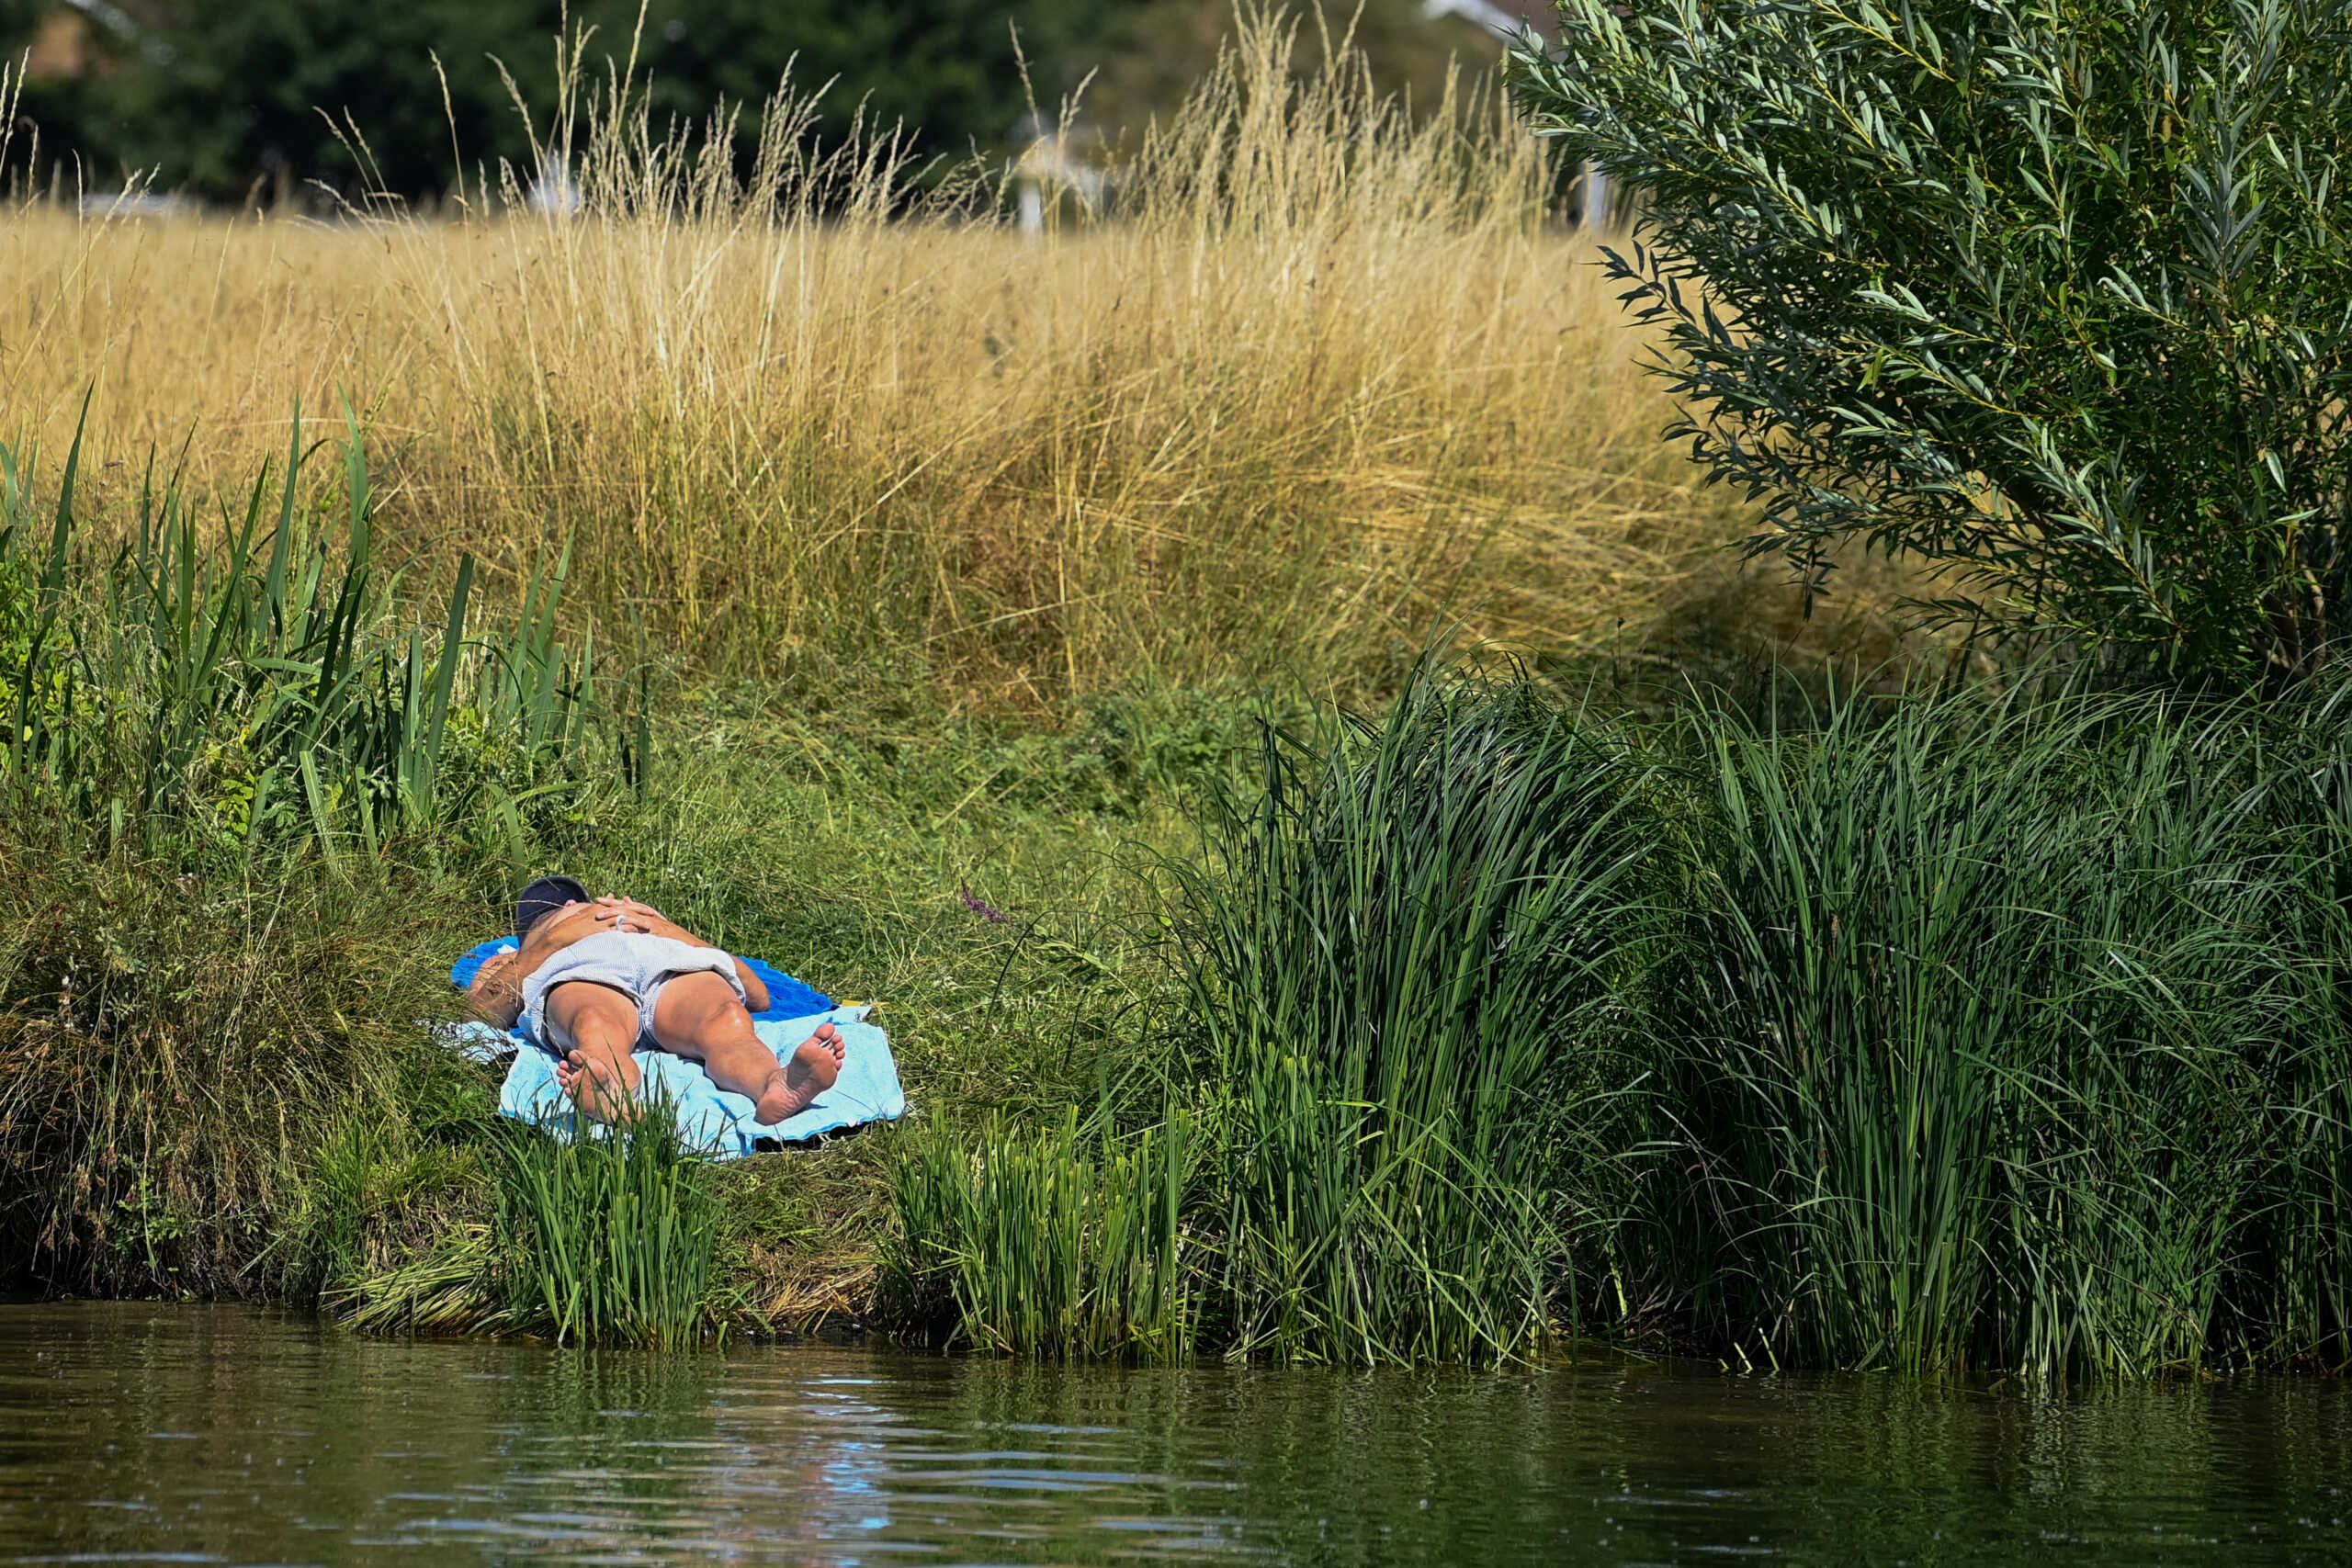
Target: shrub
(2053, 293)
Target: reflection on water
(133, 1433)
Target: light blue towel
(713, 1120)
(720, 1123)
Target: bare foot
(812, 1070)
(594, 1086)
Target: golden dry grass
(1322, 380)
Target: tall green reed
(1049, 1242)
(2004, 994)
(1940, 1031)
(2294, 1286)
(607, 1236)
(1417, 953)
(269, 686)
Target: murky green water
(216, 1434)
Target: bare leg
(599, 1024)
(699, 1017)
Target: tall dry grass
(1314, 376)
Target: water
(147, 1434)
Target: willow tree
(2056, 295)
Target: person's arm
(638, 916)
(495, 993)
(496, 989)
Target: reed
(2003, 985)
(266, 686)
(234, 752)
(2012, 1035)
(606, 1235)
(1417, 951)
(1045, 1241)
(596, 1237)
(1989, 1029)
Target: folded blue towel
(718, 1123)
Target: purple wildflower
(982, 907)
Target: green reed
(223, 738)
(1416, 955)
(1415, 952)
(1049, 1242)
(1938, 1031)
(2011, 1005)
(607, 1236)
(265, 682)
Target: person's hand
(632, 913)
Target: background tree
(223, 98)
(2056, 293)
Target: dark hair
(543, 898)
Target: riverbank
(1051, 664)
(1987, 1028)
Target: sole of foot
(813, 1068)
(601, 1093)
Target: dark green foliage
(236, 99)
(2057, 294)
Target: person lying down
(596, 979)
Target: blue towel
(712, 1120)
(788, 997)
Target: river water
(205, 1434)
